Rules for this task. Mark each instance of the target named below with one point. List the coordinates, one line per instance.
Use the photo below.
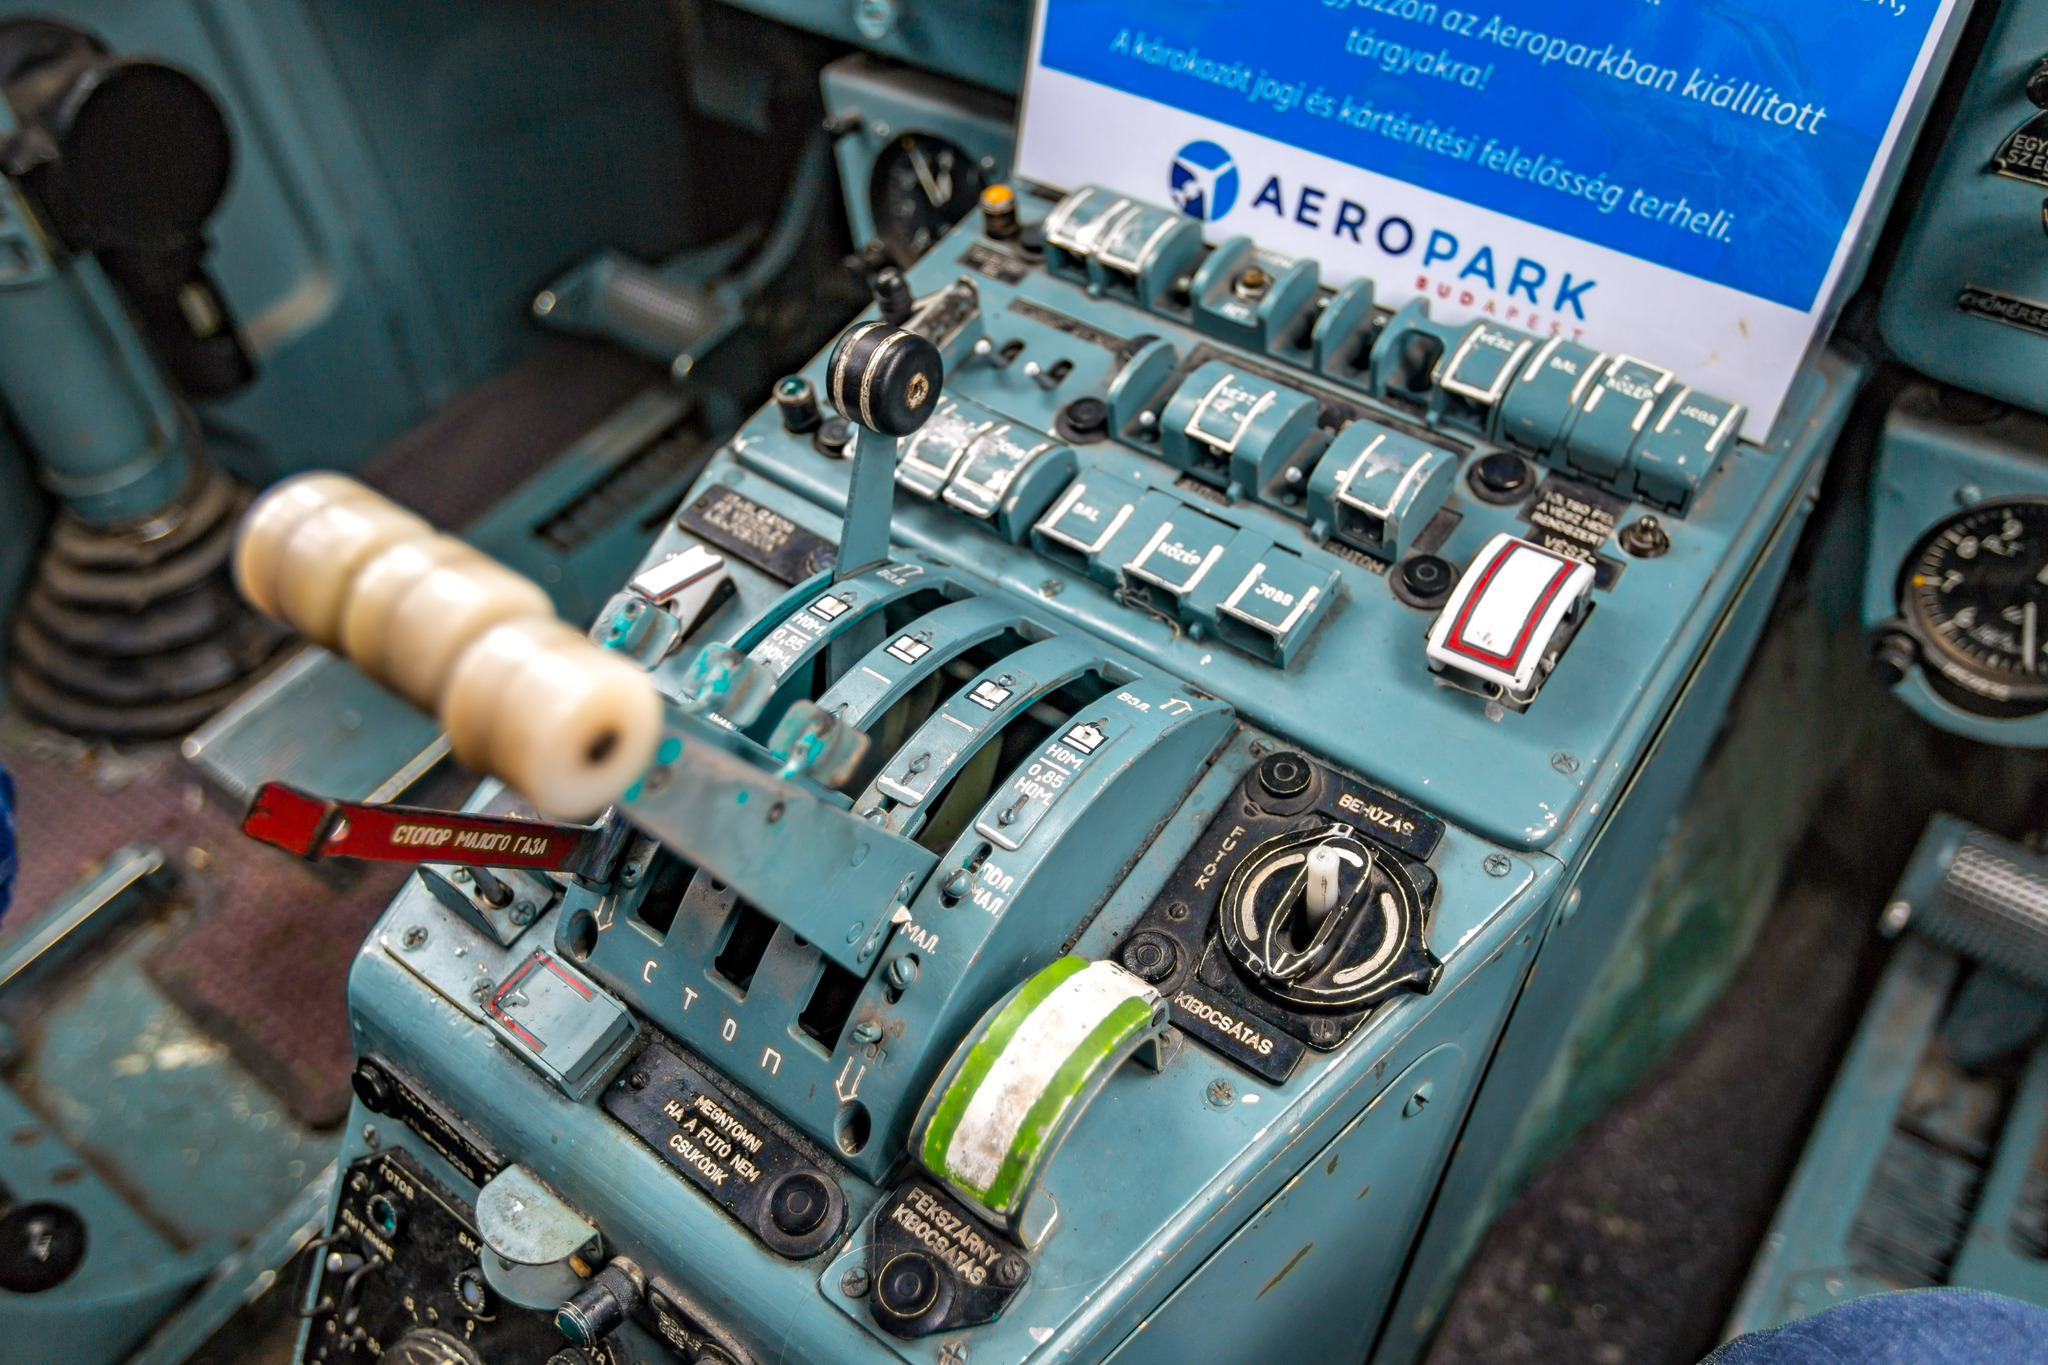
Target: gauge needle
(924, 177)
(2027, 639)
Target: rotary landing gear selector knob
(1321, 920)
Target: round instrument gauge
(1975, 591)
(921, 186)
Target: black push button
(907, 1286)
(1501, 478)
(799, 1204)
(41, 1243)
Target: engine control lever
(885, 380)
(313, 827)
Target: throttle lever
(313, 827)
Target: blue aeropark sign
(1728, 140)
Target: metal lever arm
(313, 828)
(885, 380)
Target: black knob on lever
(892, 296)
(886, 381)
(2037, 85)
(884, 378)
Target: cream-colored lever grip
(268, 527)
(522, 695)
(567, 723)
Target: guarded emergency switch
(1509, 619)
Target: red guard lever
(315, 828)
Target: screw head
(1564, 762)
(867, 1031)
(1221, 1094)
(854, 1283)
(903, 972)
(1498, 865)
(638, 1080)
(460, 874)
(1323, 1031)
(524, 914)
(1896, 917)
(370, 1135)
(414, 938)
(1010, 1271)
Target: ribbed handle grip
(1992, 905)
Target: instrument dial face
(1976, 592)
(921, 186)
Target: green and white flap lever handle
(1020, 1082)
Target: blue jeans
(1925, 1327)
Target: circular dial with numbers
(1976, 593)
(921, 186)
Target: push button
(1180, 552)
(1074, 227)
(1617, 408)
(1675, 455)
(1256, 298)
(1476, 376)
(1273, 604)
(1509, 619)
(927, 458)
(1086, 517)
(1008, 477)
(1235, 429)
(1539, 403)
(1376, 488)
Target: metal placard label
(1252, 1043)
(1387, 819)
(2010, 309)
(984, 1268)
(2023, 156)
(720, 1145)
(1000, 266)
(759, 535)
(474, 1159)
(1573, 519)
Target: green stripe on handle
(946, 1121)
(1020, 1084)
(1127, 1021)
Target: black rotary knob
(885, 378)
(604, 1302)
(892, 296)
